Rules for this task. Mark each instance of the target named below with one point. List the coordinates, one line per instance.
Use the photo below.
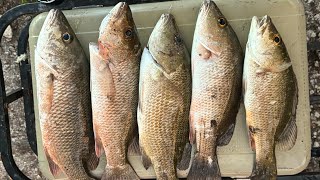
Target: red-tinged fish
(270, 97)
(62, 75)
(217, 61)
(115, 62)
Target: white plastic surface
(235, 159)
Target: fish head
(212, 29)
(166, 45)
(57, 43)
(118, 31)
(265, 42)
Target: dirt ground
(27, 161)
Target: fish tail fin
(125, 172)
(265, 166)
(204, 168)
(264, 171)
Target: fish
(217, 61)
(115, 62)
(164, 99)
(270, 96)
(63, 93)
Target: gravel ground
(312, 8)
(23, 155)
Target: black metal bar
(26, 84)
(14, 95)
(5, 137)
(26, 81)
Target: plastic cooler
(235, 159)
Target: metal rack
(25, 90)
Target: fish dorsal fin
(288, 137)
(54, 168)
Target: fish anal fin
(146, 161)
(186, 157)
(54, 168)
(98, 144)
(226, 137)
(204, 168)
(288, 137)
(93, 161)
(134, 148)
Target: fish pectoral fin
(146, 161)
(104, 67)
(274, 69)
(54, 168)
(44, 90)
(288, 137)
(226, 137)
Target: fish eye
(177, 39)
(66, 37)
(222, 22)
(277, 39)
(129, 33)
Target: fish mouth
(260, 24)
(119, 10)
(52, 17)
(166, 19)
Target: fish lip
(260, 24)
(52, 17)
(118, 10)
(166, 18)
(207, 4)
